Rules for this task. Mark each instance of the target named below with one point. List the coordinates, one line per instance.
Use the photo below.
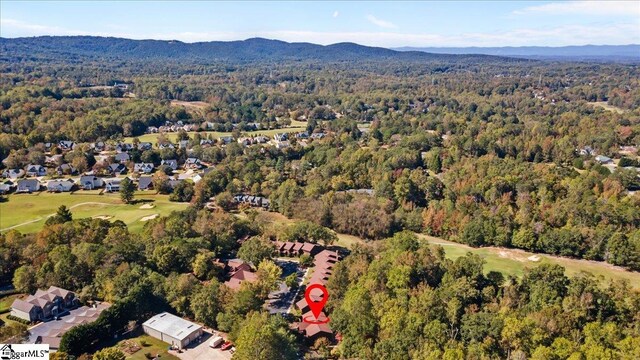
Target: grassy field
(604, 105)
(507, 261)
(5, 302)
(514, 261)
(28, 212)
(152, 138)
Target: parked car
(226, 345)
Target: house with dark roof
(36, 170)
(166, 146)
(66, 145)
(116, 169)
(145, 168)
(28, 186)
(145, 183)
(90, 182)
(192, 163)
(122, 147)
(98, 146)
(171, 163)
(144, 146)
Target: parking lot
(281, 299)
(202, 351)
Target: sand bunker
(150, 217)
(102, 217)
(147, 206)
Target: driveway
(202, 351)
(281, 300)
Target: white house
(59, 185)
(112, 185)
(90, 182)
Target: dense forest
(482, 150)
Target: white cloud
(21, 26)
(617, 34)
(603, 8)
(381, 23)
(336, 14)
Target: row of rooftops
(322, 269)
(252, 200)
(43, 298)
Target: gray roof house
(59, 185)
(28, 185)
(603, 159)
(13, 173)
(66, 145)
(122, 147)
(145, 183)
(172, 163)
(226, 139)
(145, 168)
(122, 157)
(117, 169)
(90, 182)
(192, 163)
(5, 188)
(36, 170)
(143, 146)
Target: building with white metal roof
(172, 329)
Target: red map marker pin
(316, 306)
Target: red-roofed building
(314, 331)
(239, 277)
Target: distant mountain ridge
(255, 49)
(583, 52)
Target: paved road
(282, 299)
(202, 351)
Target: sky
(374, 23)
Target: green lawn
(514, 262)
(6, 301)
(153, 346)
(28, 212)
(173, 136)
(4, 321)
